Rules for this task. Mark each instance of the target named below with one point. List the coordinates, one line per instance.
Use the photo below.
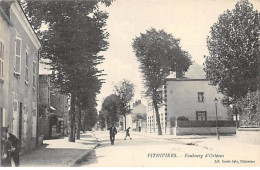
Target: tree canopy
(111, 109)
(125, 90)
(72, 43)
(158, 53)
(233, 65)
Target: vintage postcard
(130, 83)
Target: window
(15, 118)
(2, 117)
(200, 97)
(201, 116)
(26, 67)
(2, 52)
(34, 74)
(17, 66)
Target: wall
(151, 124)
(60, 103)
(21, 94)
(182, 100)
(4, 82)
(204, 130)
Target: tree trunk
(125, 121)
(72, 117)
(157, 118)
(79, 122)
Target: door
(20, 124)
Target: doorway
(20, 123)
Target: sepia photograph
(130, 83)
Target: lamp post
(216, 104)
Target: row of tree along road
(71, 43)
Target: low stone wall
(203, 130)
(221, 123)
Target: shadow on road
(88, 160)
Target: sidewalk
(60, 152)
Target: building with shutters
(19, 63)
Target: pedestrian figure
(6, 149)
(15, 144)
(127, 133)
(112, 133)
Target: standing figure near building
(15, 144)
(127, 133)
(112, 133)
(6, 148)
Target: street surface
(145, 150)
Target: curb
(80, 158)
(197, 137)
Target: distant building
(19, 66)
(60, 104)
(44, 128)
(136, 119)
(53, 109)
(151, 118)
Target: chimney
(179, 73)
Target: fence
(221, 123)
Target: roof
(194, 73)
(139, 109)
(19, 13)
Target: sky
(187, 20)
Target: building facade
(151, 121)
(44, 129)
(136, 119)
(191, 109)
(19, 74)
(53, 109)
(60, 104)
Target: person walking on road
(112, 133)
(127, 133)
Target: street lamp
(216, 104)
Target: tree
(101, 120)
(72, 42)
(90, 87)
(125, 90)
(249, 109)
(234, 55)
(159, 53)
(90, 118)
(111, 109)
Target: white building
(190, 98)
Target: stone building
(44, 129)
(190, 106)
(53, 109)
(19, 67)
(60, 104)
